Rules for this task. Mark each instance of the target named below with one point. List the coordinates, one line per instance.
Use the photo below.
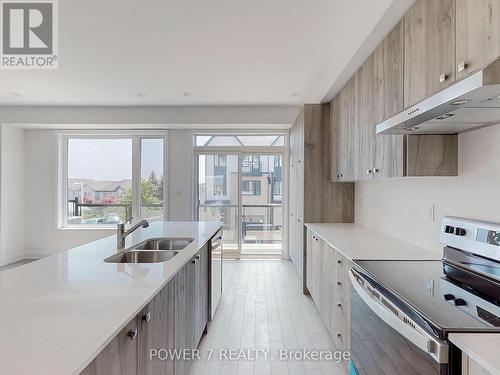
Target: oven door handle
(398, 320)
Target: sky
(111, 159)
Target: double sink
(153, 250)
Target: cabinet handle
(132, 333)
(146, 317)
(339, 283)
(443, 77)
(298, 220)
(339, 305)
(339, 335)
(339, 261)
(198, 257)
(194, 261)
(369, 171)
(375, 170)
(462, 66)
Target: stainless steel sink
(164, 243)
(142, 256)
(153, 250)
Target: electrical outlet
(429, 212)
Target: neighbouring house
(92, 191)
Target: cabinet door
(310, 264)
(156, 331)
(429, 49)
(346, 139)
(329, 278)
(478, 34)
(334, 139)
(363, 121)
(184, 316)
(201, 294)
(119, 357)
(388, 100)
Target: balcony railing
(77, 207)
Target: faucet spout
(121, 233)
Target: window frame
(136, 136)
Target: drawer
(342, 266)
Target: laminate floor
(262, 308)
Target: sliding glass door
(218, 194)
(244, 191)
(261, 203)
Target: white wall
(398, 207)
(12, 195)
(41, 199)
(180, 178)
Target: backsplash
(400, 207)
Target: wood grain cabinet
(201, 294)
(477, 34)
(388, 100)
(344, 135)
(374, 94)
(156, 327)
(364, 131)
(429, 49)
(313, 197)
(328, 285)
(175, 319)
(119, 357)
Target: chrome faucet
(121, 233)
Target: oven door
(385, 339)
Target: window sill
(77, 228)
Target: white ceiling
(223, 52)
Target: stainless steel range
(403, 311)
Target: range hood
(469, 103)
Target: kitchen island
(61, 311)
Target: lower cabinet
(119, 357)
(156, 331)
(327, 283)
(175, 319)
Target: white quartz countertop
(481, 347)
(359, 243)
(59, 312)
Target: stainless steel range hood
(470, 103)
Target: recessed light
(493, 98)
(460, 102)
(187, 94)
(445, 116)
(18, 94)
(141, 94)
(296, 93)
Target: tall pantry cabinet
(313, 198)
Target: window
(102, 185)
(250, 187)
(240, 140)
(251, 164)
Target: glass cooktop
(440, 293)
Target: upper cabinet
(363, 118)
(388, 81)
(477, 35)
(380, 89)
(429, 49)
